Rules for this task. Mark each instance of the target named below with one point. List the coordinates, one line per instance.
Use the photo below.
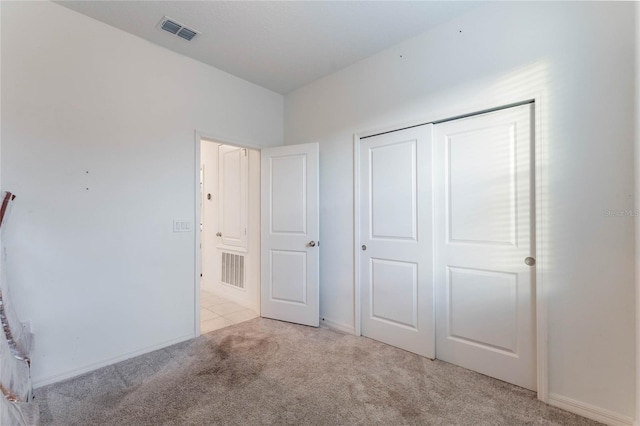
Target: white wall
(579, 57)
(93, 261)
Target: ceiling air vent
(174, 27)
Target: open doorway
(229, 235)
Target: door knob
(364, 247)
(529, 261)
(312, 244)
(218, 234)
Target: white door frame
(199, 136)
(538, 101)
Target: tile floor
(216, 312)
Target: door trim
(538, 101)
(197, 267)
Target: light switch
(182, 225)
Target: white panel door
(396, 236)
(290, 229)
(233, 181)
(485, 292)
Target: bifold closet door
(396, 236)
(484, 244)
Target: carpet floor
(265, 372)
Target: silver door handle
(529, 261)
(312, 244)
(218, 234)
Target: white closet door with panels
(396, 237)
(484, 239)
(233, 181)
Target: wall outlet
(182, 225)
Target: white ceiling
(278, 45)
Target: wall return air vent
(232, 269)
(174, 27)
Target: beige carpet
(265, 372)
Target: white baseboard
(590, 411)
(338, 326)
(47, 380)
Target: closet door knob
(312, 244)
